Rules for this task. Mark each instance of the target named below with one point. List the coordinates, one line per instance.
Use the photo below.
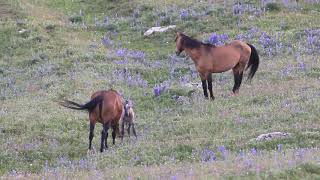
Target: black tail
(253, 62)
(88, 106)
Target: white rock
(158, 29)
(22, 31)
(269, 136)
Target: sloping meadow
(68, 49)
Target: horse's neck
(194, 54)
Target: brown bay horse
(105, 107)
(208, 59)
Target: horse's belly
(223, 67)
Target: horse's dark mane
(208, 44)
(189, 42)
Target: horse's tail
(88, 106)
(253, 63)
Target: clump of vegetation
(273, 7)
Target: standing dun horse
(105, 107)
(208, 59)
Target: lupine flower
(218, 39)
(121, 52)
(224, 151)
(208, 155)
(184, 13)
(253, 151)
(106, 20)
(106, 41)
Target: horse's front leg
(204, 85)
(209, 79)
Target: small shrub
(273, 7)
(75, 19)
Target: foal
(208, 59)
(106, 108)
(127, 118)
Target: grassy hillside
(53, 49)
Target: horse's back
(241, 46)
(111, 107)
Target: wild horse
(105, 107)
(208, 59)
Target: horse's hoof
(235, 94)
(91, 151)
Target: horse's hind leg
(106, 141)
(209, 79)
(114, 135)
(238, 74)
(91, 134)
(104, 136)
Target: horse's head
(179, 43)
(127, 107)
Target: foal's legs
(209, 79)
(238, 74)
(134, 130)
(91, 134)
(129, 126)
(104, 136)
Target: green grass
(56, 58)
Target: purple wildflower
(106, 20)
(106, 41)
(218, 39)
(156, 91)
(241, 154)
(136, 54)
(213, 39)
(224, 151)
(173, 177)
(208, 155)
(253, 151)
(184, 13)
(279, 147)
(121, 52)
(159, 89)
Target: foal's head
(127, 107)
(183, 41)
